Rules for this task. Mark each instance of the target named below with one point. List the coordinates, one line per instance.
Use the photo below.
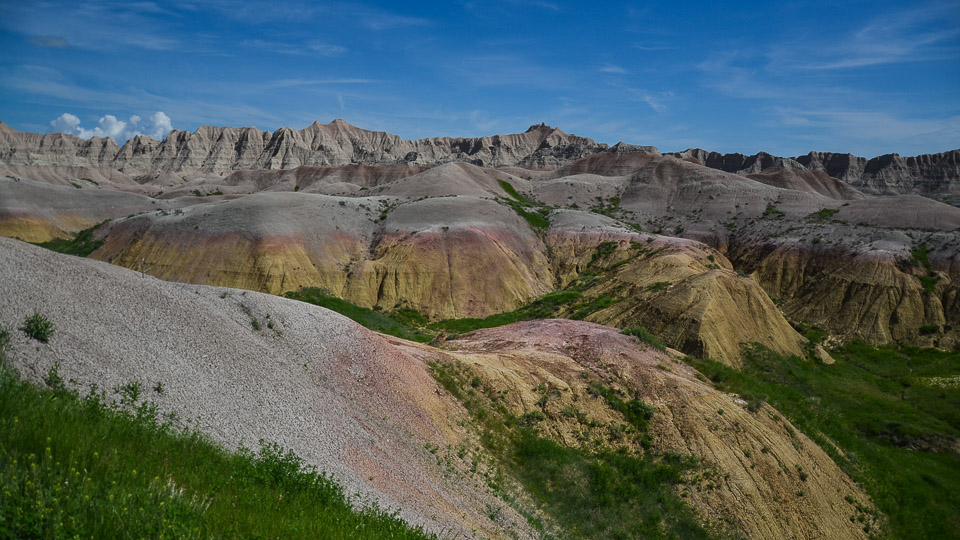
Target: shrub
(38, 327)
(644, 336)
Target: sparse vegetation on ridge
(74, 466)
(367, 317)
(521, 205)
(645, 336)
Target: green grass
(603, 251)
(521, 205)
(81, 245)
(399, 326)
(609, 209)
(895, 413)
(38, 327)
(929, 283)
(584, 493)
(75, 466)
(512, 192)
(542, 308)
(645, 336)
(919, 257)
(773, 212)
(635, 411)
(823, 215)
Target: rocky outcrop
(211, 148)
(877, 295)
(926, 174)
(684, 292)
(753, 497)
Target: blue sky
(784, 77)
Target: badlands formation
(705, 258)
(708, 252)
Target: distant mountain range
(338, 143)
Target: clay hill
(367, 409)
(707, 259)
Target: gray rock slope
(333, 144)
(887, 174)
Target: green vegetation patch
(82, 244)
(635, 411)
(603, 251)
(395, 326)
(512, 192)
(823, 215)
(919, 256)
(38, 327)
(773, 212)
(544, 307)
(896, 432)
(645, 336)
(84, 467)
(607, 208)
(533, 212)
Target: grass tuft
(38, 327)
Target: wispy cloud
(55, 42)
(45, 85)
(612, 68)
(290, 83)
(876, 125)
(298, 49)
(510, 70)
(911, 35)
(94, 26)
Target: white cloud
(65, 123)
(161, 125)
(157, 126)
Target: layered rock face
(887, 174)
(212, 148)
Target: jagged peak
(541, 127)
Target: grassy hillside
(889, 417)
(74, 466)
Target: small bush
(38, 327)
(645, 336)
(659, 286)
(929, 329)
